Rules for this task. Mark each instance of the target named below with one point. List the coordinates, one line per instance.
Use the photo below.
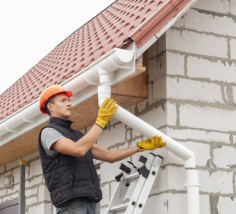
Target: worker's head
(55, 102)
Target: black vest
(68, 177)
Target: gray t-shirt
(48, 137)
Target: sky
(30, 29)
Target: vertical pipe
(193, 191)
(22, 188)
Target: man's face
(61, 107)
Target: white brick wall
(40, 209)
(233, 7)
(205, 22)
(186, 89)
(197, 43)
(224, 156)
(157, 204)
(35, 168)
(219, 182)
(218, 6)
(159, 89)
(199, 135)
(201, 150)
(43, 194)
(33, 181)
(207, 118)
(116, 133)
(106, 194)
(31, 191)
(234, 93)
(176, 67)
(226, 205)
(211, 70)
(233, 48)
(156, 67)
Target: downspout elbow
(190, 163)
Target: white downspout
(104, 90)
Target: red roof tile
(138, 19)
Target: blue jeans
(78, 206)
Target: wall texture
(192, 98)
(195, 75)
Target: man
(67, 155)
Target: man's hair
(50, 100)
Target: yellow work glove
(106, 111)
(155, 142)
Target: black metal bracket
(125, 168)
(142, 159)
(118, 177)
(144, 171)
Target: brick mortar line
(208, 12)
(27, 164)
(202, 79)
(184, 192)
(202, 32)
(216, 143)
(234, 184)
(26, 189)
(202, 168)
(158, 55)
(201, 104)
(197, 129)
(10, 194)
(207, 57)
(208, 130)
(217, 194)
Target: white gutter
(30, 117)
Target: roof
(135, 19)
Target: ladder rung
(131, 176)
(119, 207)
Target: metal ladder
(145, 175)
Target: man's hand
(106, 111)
(155, 142)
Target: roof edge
(151, 26)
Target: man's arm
(101, 153)
(80, 147)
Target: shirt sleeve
(48, 137)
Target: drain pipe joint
(104, 89)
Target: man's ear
(50, 108)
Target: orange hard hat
(49, 92)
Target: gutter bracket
(28, 121)
(90, 82)
(9, 130)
